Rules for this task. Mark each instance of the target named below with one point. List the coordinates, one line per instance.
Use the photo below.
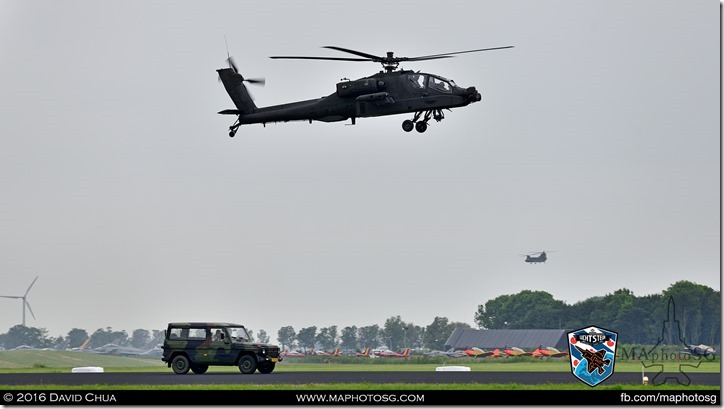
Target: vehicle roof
(204, 324)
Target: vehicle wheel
(407, 125)
(421, 127)
(199, 369)
(266, 367)
(180, 364)
(247, 364)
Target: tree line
(396, 334)
(637, 319)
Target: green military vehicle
(197, 345)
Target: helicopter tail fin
(233, 82)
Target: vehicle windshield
(238, 334)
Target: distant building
(463, 338)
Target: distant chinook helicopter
(388, 92)
(539, 258)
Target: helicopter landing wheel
(233, 128)
(421, 127)
(407, 125)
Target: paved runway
(160, 378)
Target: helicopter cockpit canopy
(420, 81)
(440, 84)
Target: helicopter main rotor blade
(359, 53)
(389, 62)
(464, 52)
(386, 59)
(318, 58)
(429, 57)
(389, 59)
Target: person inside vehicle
(218, 336)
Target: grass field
(29, 361)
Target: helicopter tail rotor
(232, 65)
(256, 81)
(234, 84)
(240, 78)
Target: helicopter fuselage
(389, 92)
(536, 259)
(384, 93)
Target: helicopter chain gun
(389, 92)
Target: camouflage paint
(202, 351)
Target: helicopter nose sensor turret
(473, 94)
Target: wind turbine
(24, 298)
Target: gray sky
(598, 137)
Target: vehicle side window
(175, 333)
(417, 80)
(197, 334)
(440, 85)
(218, 334)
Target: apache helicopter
(388, 92)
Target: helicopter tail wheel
(407, 125)
(233, 128)
(421, 127)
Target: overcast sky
(597, 137)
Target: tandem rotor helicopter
(537, 257)
(389, 92)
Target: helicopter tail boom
(233, 82)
